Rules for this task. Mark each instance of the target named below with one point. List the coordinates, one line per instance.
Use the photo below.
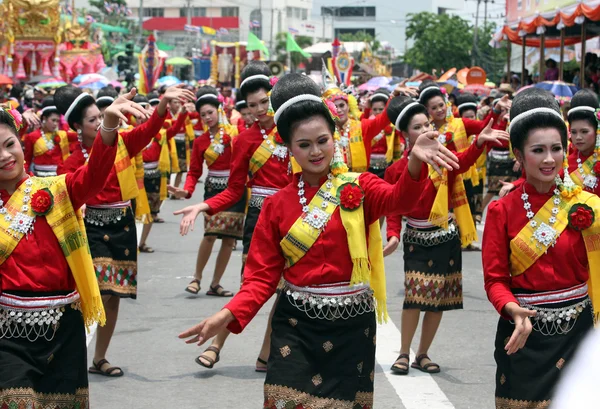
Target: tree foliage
(441, 41)
(362, 36)
(281, 48)
(112, 18)
(492, 60)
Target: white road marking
(90, 335)
(416, 390)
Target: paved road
(160, 371)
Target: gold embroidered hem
(504, 403)
(283, 397)
(225, 224)
(31, 399)
(116, 277)
(441, 292)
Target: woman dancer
(214, 146)
(320, 244)
(109, 218)
(386, 146)
(432, 240)
(246, 120)
(538, 254)
(48, 288)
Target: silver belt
(430, 237)
(217, 182)
(180, 137)
(379, 161)
(331, 301)
(101, 216)
(258, 195)
(152, 173)
(503, 156)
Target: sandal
(159, 220)
(425, 368)
(401, 368)
(193, 287)
(110, 372)
(219, 291)
(146, 249)
(260, 368)
(472, 247)
(211, 362)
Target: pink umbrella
(116, 84)
(523, 88)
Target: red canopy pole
(562, 54)
(523, 61)
(582, 67)
(542, 56)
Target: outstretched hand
(523, 327)
(122, 107)
(190, 213)
(494, 136)
(177, 192)
(208, 328)
(429, 150)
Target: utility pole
(475, 34)
(485, 2)
(272, 45)
(141, 18)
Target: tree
(116, 14)
(440, 41)
(492, 60)
(362, 36)
(281, 48)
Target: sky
(496, 11)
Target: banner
(520, 9)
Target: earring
(79, 136)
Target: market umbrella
(51, 83)
(477, 89)
(38, 78)
(5, 80)
(178, 61)
(447, 75)
(563, 91)
(93, 85)
(89, 78)
(168, 81)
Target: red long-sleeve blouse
(151, 152)
(370, 129)
(328, 260)
(427, 196)
(52, 157)
(564, 265)
(37, 263)
(273, 174)
(135, 140)
(201, 144)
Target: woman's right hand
(391, 246)
(208, 328)
(506, 188)
(190, 214)
(178, 192)
(523, 326)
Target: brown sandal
(193, 287)
(110, 372)
(146, 249)
(401, 368)
(425, 368)
(211, 362)
(219, 291)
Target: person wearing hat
(46, 147)
(505, 89)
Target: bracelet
(105, 129)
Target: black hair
(7, 120)
(584, 98)
(466, 99)
(140, 99)
(424, 99)
(151, 96)
(397, 105)
(108, 91)
(380, 98)
(64, 97)
(48, 102)
(527, 100)
(16, 92)
(207, 90)
(288, 87)
(240, 101)
(255, 68)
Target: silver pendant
(219, 148)
(22, 223)
(344, 141)
(590, 181)
(545, 235)
(280, 152)
(316, 218)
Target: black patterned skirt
(475, 197)
(228, 223)
(500, 169)
(181, 155)
(320, 362)
(432, 268)
(113, 243)
(45, 371)
(527, 378)
(152, 186)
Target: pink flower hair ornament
(273, 80)
(332, 109)
(15, 116)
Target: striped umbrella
(51, 83)
(93, 85)
(168, 81)
(89, 78)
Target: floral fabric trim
(29, 398)
(282, 397)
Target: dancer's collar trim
(404, 112)
(581, 108)
(467, 104)
(379, 94)
(295, 100)
(105, 99)
(254, 77)
(531, 112)
(154, 100)
(48, 108)
(75, 103)
(428, 90)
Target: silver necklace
(345, 138)
(279, 151)
(544, 234)
(590, 180)
(218, 147)
(20, 222)
(312, 215)
(49, 141)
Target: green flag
(254, 44)
(292, 45)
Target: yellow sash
(67, 225)
(367, 256)
(459, 134)
(262, 154)
(142, 207)
(174, 159)
(189, 140)
(164, 164)
(588, 165)
(210, 156)
(459, 203)
(125, 172)
(40, 148)
(356, 155)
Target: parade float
(228, 60)
(34, 41)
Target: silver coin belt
(101, 217)
(500, 156)
(431, 237)
(556, 321)
(152, 173)
(379, 163)
(44, 174)
(256, 201)
(326, 307)
(31, 324)
(217, 183)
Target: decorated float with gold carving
(228, 60)
(33, 41)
